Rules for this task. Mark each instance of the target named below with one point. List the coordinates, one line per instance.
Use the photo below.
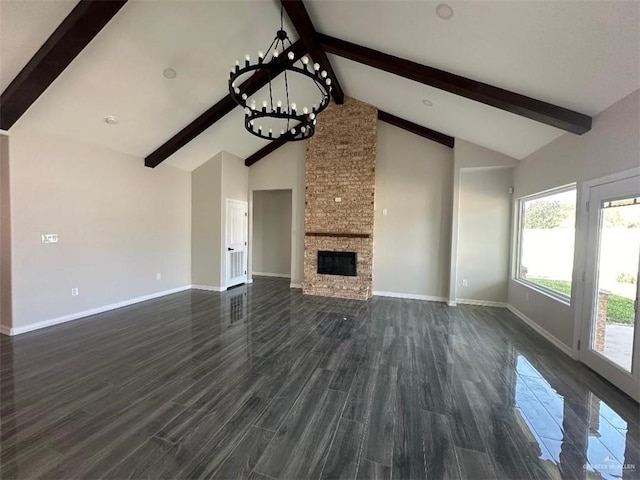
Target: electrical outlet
(338, 199)
(465, 283)
(74, 292)
(158, 276)
(384, 211)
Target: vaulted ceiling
(582, 56)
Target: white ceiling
(579, 55)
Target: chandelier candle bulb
(323, 74)
(275, 53)
(291, 55)
(305, 110)
(305, 60)
(316, 66)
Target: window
(546, 240)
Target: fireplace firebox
(337, 263)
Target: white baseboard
(411, 296)
(249, 280)
(566, 349)
(482, 303)
(5, 330)
(279, 275)
(451, 303)
(295, 285)
(209, 288)
(85, 313)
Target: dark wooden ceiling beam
(302, 22)
(425, 132)
(512, 102)
(263, 152)
(215, 113)
(67, 41)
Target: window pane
(547, 241)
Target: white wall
(222, 177)
(5, 238)
(284, 170)
(235, 186)
(119, 224)
(206, 223)
(483, 234)
(411, 242)
(613, 145)
(272, 232)
(468, 156)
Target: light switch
(50, 238)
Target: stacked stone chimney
(339, 197)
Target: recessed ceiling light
(111, 120)
(444, 11)
(427, 103)
(169, 73)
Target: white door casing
(236, 242)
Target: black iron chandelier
(281, 120)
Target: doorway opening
(272, 228)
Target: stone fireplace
(339, 199)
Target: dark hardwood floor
(262, 382)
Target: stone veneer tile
(341, 162)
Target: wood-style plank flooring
(262, 382)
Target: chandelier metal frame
(300, 122)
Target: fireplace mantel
(337, 234)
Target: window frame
(520, 203)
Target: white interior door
(610, 324)
(236, 242)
